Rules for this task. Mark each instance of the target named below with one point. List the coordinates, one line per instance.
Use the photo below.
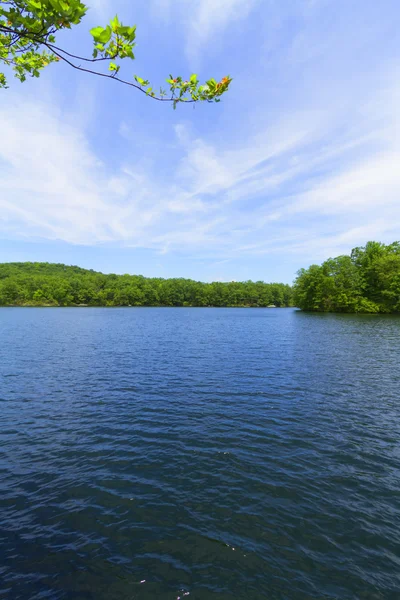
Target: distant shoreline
(125, 306)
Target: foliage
(48, 284)
(368, 281)
(28, 31)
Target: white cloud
(204, 20)
(100, 9)
(52, 184)
(302, 185)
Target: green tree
(28, 30)
(343, 284)
(9, 291)
(366, 281)
(308, 288)
(61, 285)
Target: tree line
(367, 281)
(47, 284)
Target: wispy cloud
(52, 184)
(204, 20)
(271, 192)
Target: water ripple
(199, 453)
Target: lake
(164, 453)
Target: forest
(367, 281)
(47, 284)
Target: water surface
(219, 453)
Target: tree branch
(19, 39)
(91, 60)
(112, 77)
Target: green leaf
(131, 33)
(96, 32)
(127, 51)
(35, 4)
(128, 33)
(106, 35)
(115, 23)
(101, 35)
(55, 4)
(3, 81)
(65, 6)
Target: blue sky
(301, 160)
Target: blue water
(219, 453)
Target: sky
(298, 163)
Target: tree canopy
(28, 44)
(40, 284)
(367, 281)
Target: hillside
(48, 284)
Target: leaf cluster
(27, 33)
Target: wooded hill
(47, 284)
